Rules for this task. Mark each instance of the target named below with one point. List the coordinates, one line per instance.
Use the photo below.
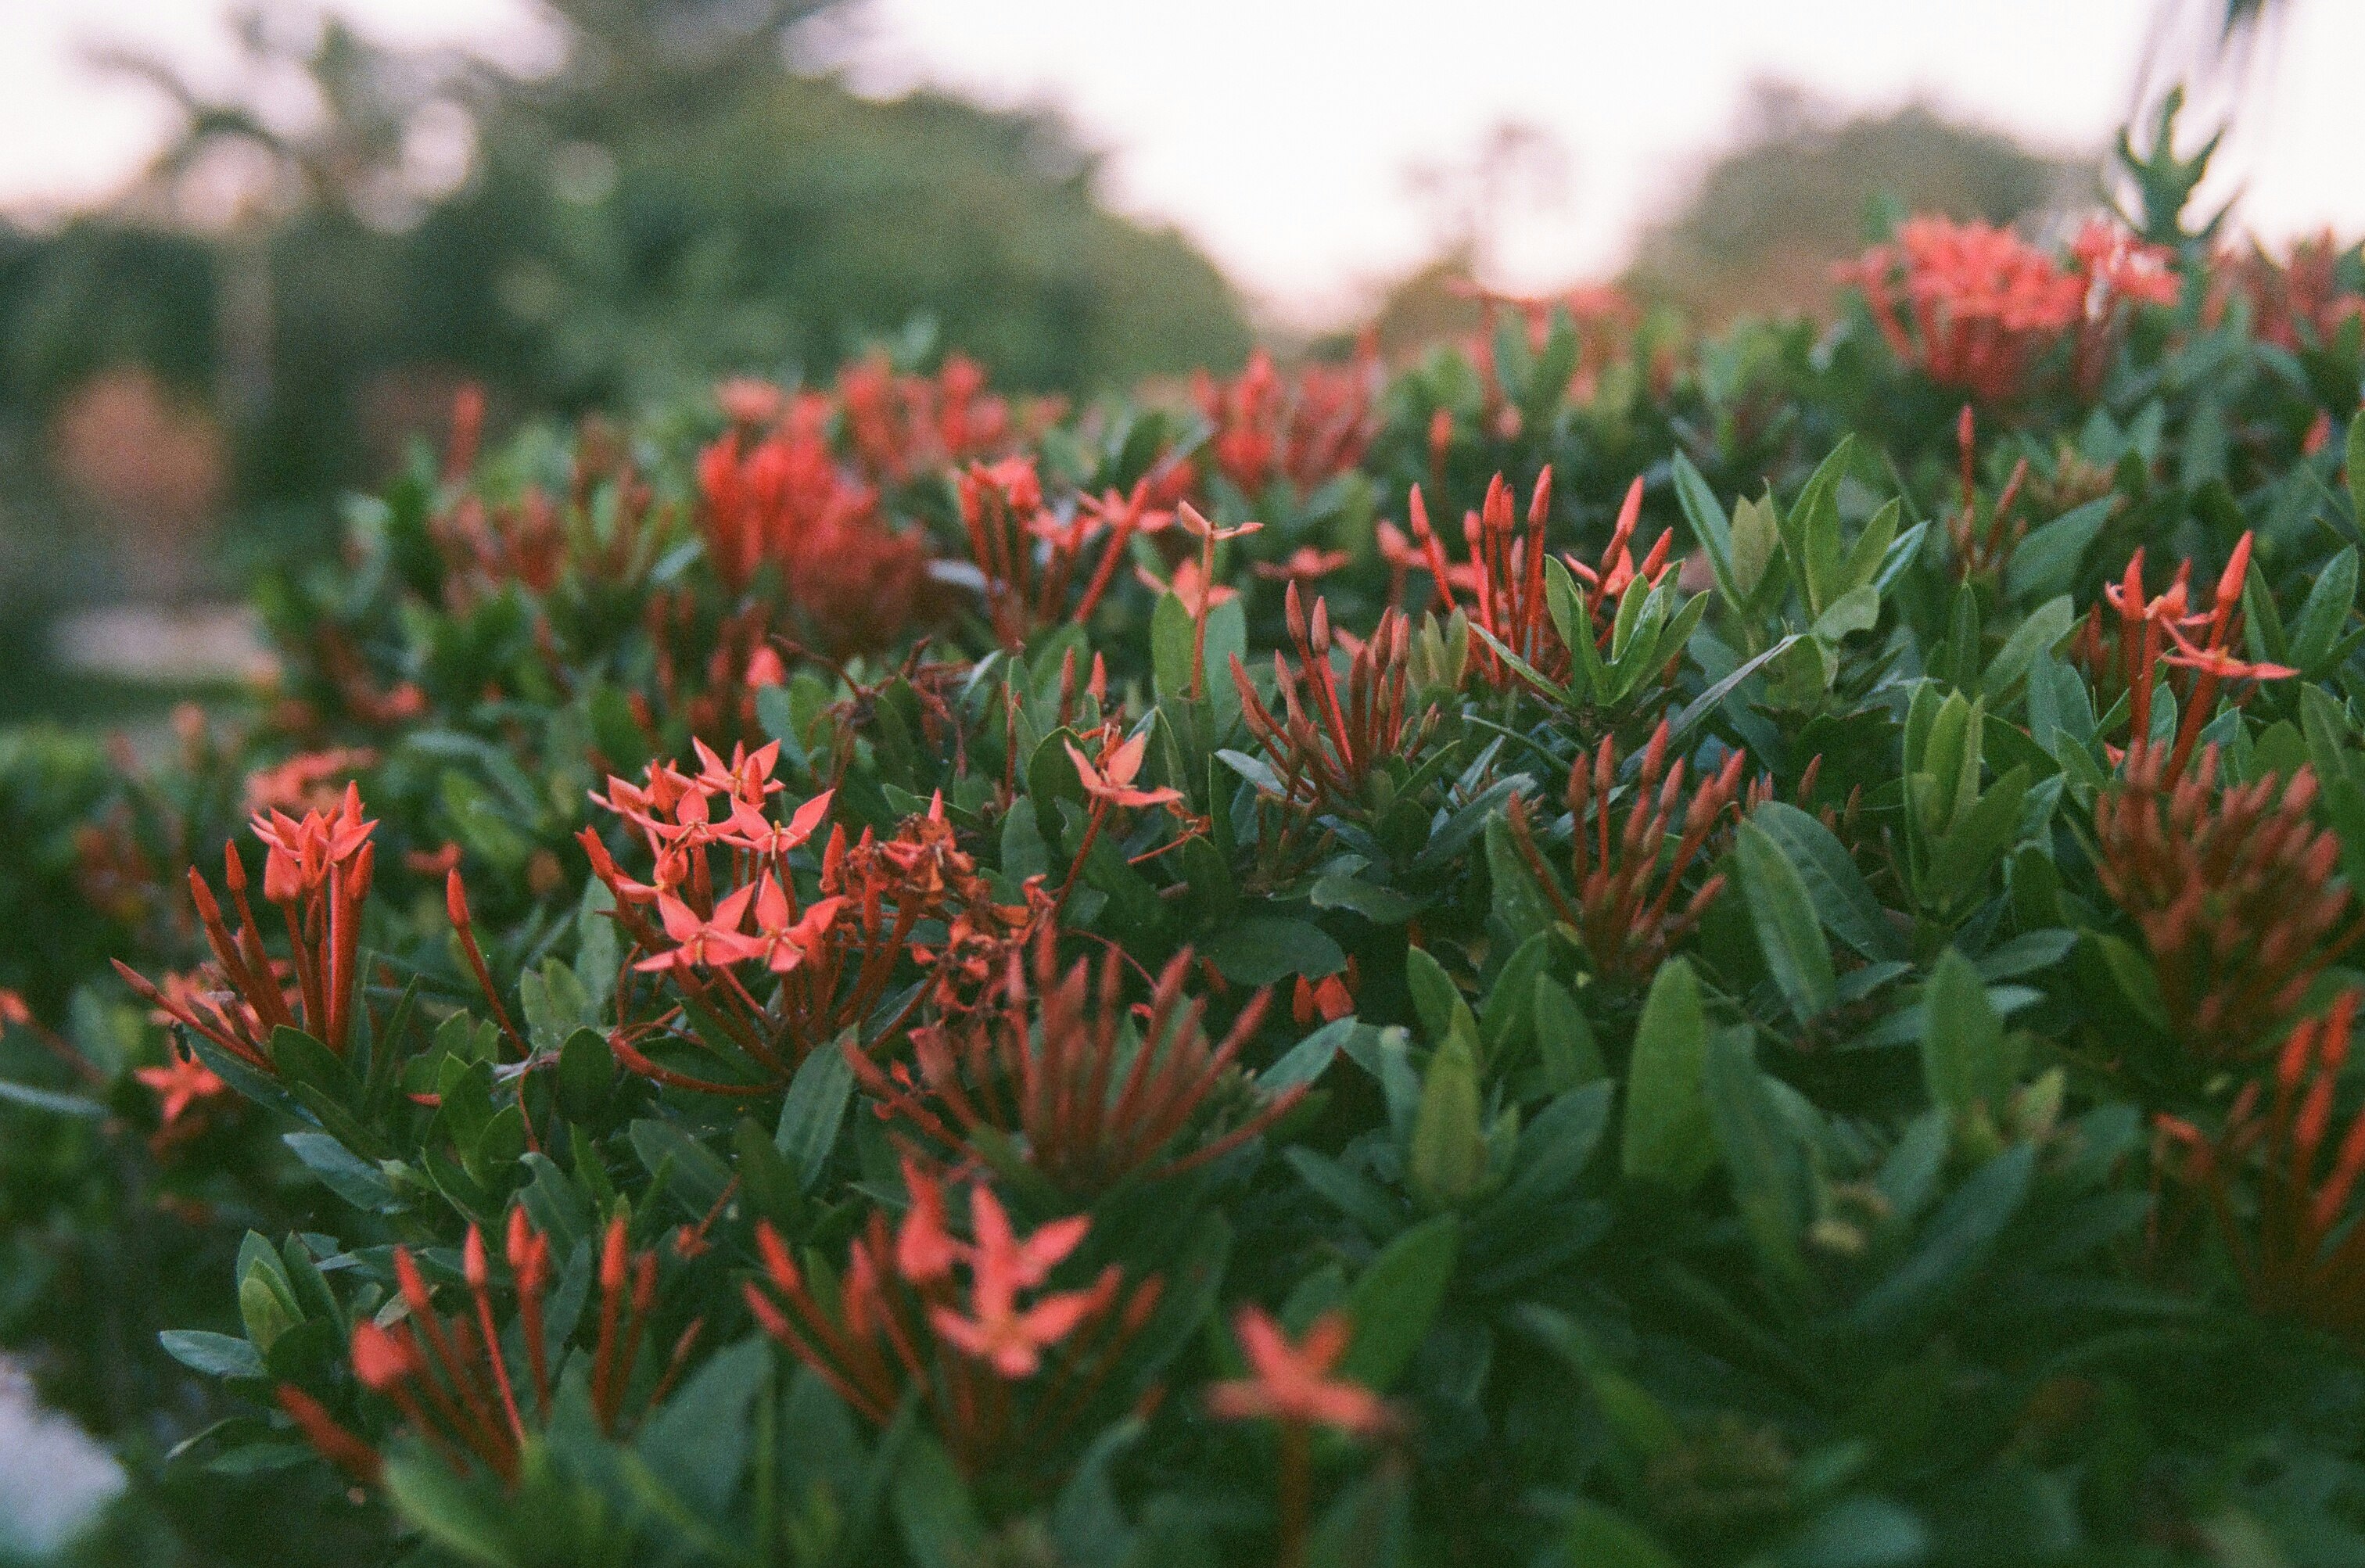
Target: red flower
(1111, 778)
(1003, 1263)
(1623, 909)
(1292, 1384)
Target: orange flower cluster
(787, 501)
(1088, 1105)
(1974, 307)
(904, 425)
(1325, 745)
(2151, 628)
(904, 1316)
(2295, 1255)
(317, 874)
(827, 961)
(2235, 894)
(1625, 883)
(1505, 574)
(2301, 303)
(1306, 430)
(1031, 558)
(452, 1381)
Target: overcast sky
(1278, 133)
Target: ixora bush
(1719, 952)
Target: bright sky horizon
(1278, 134)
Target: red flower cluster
(904, 425)
(1974, 307)
(787, 501)
(827, 959)
(2295, 1254)
(2235, 894)
(902, 1317)
(452, 1381)
(1306, 430)
(1623, 907)
(2149, 628)
(316, 873)
(1087, 1101)
(2297, 304)
(1031, 558)
(1326, 746)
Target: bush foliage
(1598, 949)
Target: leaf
(2356, 461)
(1447, 1163)
(696, 1174)
(1841, 897)
(1710, 530)
(1381, 906)
(1958, 1239)
(933, 1508)
(1667, 1136)
(1264, 949)
(696, 1444)
(1788, 931)
(1310, 1058)
(49, 1100)
(1770, 1185)
(1437, 998)
(1393, 1301)
(213, 1355)
(342, 1170)
(446, 1509)
(1593, 1536)
(2045, 625)
(814, 1107)
(1963, 1061)
(2045, 564)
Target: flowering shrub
(878, 974)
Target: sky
(1279, 134)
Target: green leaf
(2356, 461)
(1710, 530)
(213, 1355)
(1667, 1136)
(814, 1108)
(2045, 564)
(696, 1444)
(1264, 949)
(1395, 1300)
(342, 1172)
(447, 1510)
(1841, 897)
(1788, 931)
(1380, 905)
(1963, 1059)
(1593, 1536)
(1447, 1164)
(1770, 1182)
(1958, 1239)
(2045, 625)
(49, 1100)
(1436, 998)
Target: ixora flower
(1091, 1102)
(2295, 1251)
(2234, 891)
(1305, 429)
(901, 1315)
(451, 1380)
(1620, 896)
(1325, 747)
(317, 874)
(1292, 1384)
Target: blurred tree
(679, 197)
(1765, 221)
